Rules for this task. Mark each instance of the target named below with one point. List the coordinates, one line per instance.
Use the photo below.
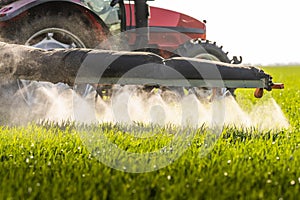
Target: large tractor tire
(57, 28)
(200, 49)
(204, 49)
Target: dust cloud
(41, 101)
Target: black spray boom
(126, 68)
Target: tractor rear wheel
(61, 28)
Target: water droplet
(225, 174)
(169, 177)
(229, 161)
(27, 160)
(269, 181)
(293, 182)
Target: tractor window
(107, 13)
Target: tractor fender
(16, 8)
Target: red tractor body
(161, 20)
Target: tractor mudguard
(14, 9)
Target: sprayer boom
(126, 68)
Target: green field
(51, 162)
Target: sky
(263, 32)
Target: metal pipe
(141, 13)
(141, 19)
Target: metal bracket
(235, 60)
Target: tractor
(52, 24)
(56, 24)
